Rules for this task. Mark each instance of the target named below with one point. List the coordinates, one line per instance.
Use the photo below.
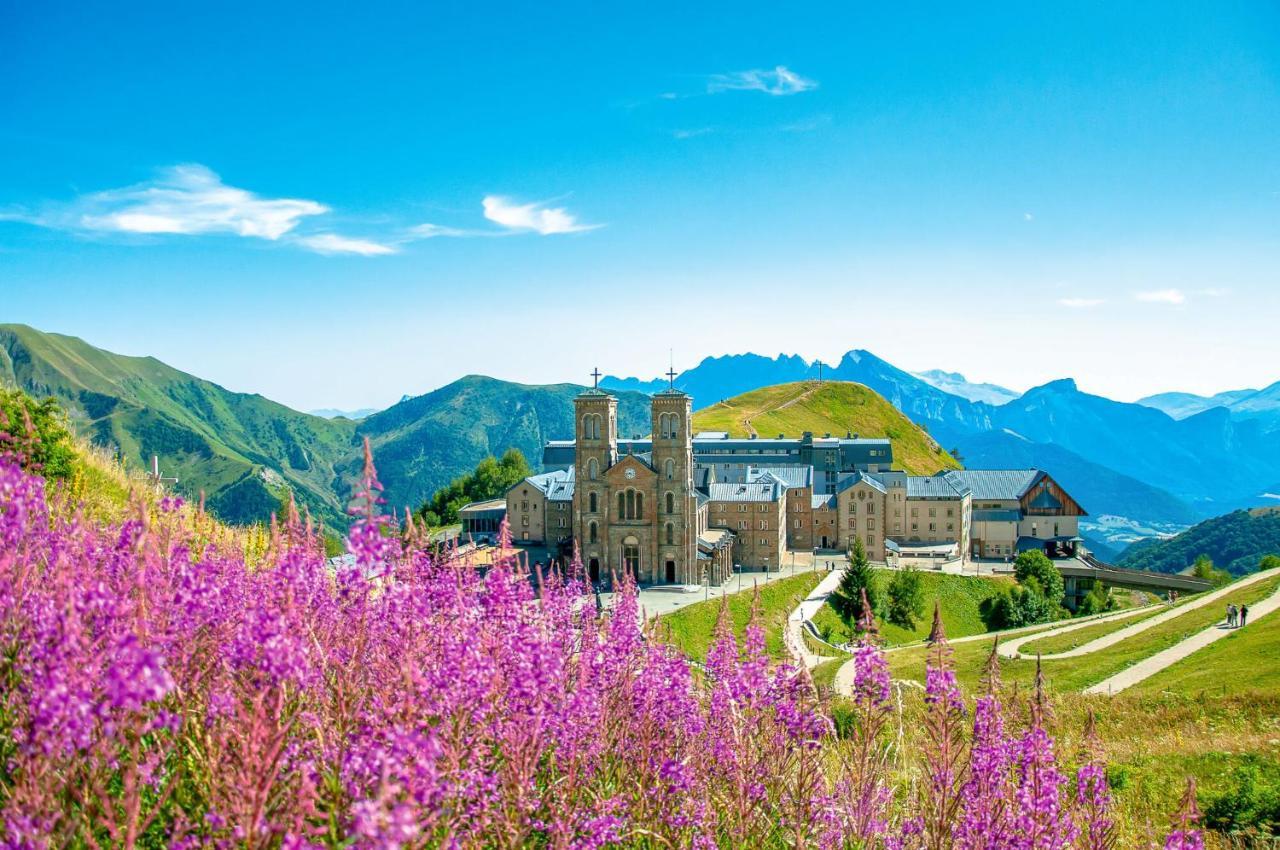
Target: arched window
(669, 469)
(671, 534)
(671, 502)
(622, 506)
(593, 470)
(592, 505)
(631, 505)
(592, 532)
(639, 505)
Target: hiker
(1231, 615)
(1244, 615)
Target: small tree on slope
(847, 597)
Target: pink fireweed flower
(1185, 834)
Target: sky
(336, 210)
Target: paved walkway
(1010, 650)
(1154, 664)
(795, 641)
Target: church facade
(683, 508)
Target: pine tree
(847, 597)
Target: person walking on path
(1231, 615)
(1244, 615)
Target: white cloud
(779, 81)
(1081, 303)
(183, 199)
(1162, 296)
(535, 217)
(332, 243)
(435, 231)
(1026, 216)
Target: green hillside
(423, 443)
(245, 451)
(242, 450)
(959, 599)
(829, 407)
(1236, 542)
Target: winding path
(803, 612)
(1010, 649)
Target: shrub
(1251, 804)
(1034, 564)
(906, 599)
(35, 434)
(491, 479)
(1204, 568)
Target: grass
(1242, 663)
(829, 407)
(1069, 641)
(692, 628)
(960, 598)
(1074, 674)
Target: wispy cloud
(1161, 296)
(536, 217)
(1081, 303)
(780, 81)
(332, 243)
(691, 134)
(183, 199)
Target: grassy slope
(1236, 542)
(210, 438)
(1242, 663)
(959, 597)
(691, 628)
(831, 407)
(1074, 674)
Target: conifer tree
(859, 577)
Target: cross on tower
(595, 378)
(671, 378)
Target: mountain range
(1127, 461)
(1136, 468)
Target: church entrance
(593, 570)
(631, 557)
(824, 542)
(671, 572)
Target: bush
(1252, 804)
(1096, 601)
(1018, 607)
(906, 599)
(1036, 565)
(1204, 568)
(35, 434)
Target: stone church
(640, 512)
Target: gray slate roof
(996, 484)
(857, 478)
(934, 487)
(760, 491)
(791, 476)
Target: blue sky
(336, 210)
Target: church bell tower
(677, 528)
(595, 451)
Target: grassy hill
(959, 598)
(1236, 542)
(244, 451)
(423, 443)
(833, 407)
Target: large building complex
(680, 508)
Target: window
(671, 534)
(592, 532)
(592, 504)
(742, 524)
(524, 521)
(622, 506)
(797, 523)
(639, 505)
(871, 523)
(593, 470)
(524, 506)
(764, 525)
(933, 526)
(591, 426)
(671, 502)
(915, 512)
(933, 511)
(669, 469)
(871, 507)
(764, 541)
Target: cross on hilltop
(595, 378)
(154, 477)
(671, 378)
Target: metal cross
(154, 475)
(595, 378)
(671, 378)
